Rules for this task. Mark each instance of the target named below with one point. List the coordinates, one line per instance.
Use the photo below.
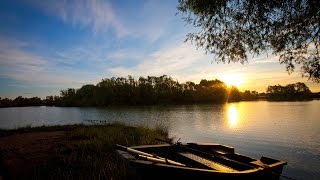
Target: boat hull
(153, 170)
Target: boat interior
(208, 156)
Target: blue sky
(49, 45)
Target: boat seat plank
(259, 163)
(221, 152)
(209, 163)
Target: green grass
(95, 152)
(89, 151)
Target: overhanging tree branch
(232, 29)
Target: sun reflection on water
(233, 116)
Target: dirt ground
(21, 152)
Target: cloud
(157, 16)
(76, 55)
(13, 59)
(173, 60)
(31, 69)
(184, 62)
(125, 54)
(264, 59)
(152, 20)
(96, 14)
(148, 20)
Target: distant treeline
(154, 90)
(290, 92)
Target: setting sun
(232, 79)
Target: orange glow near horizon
(233, 79)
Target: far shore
(316, 97)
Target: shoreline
(177, 104)
(71, 151)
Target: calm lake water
(284, 130)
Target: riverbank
(71, 151)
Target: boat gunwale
(137, 161)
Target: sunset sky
(46, 46)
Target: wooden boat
(200, 161)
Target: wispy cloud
(148, 21)
(157, 17)
(152, 20)
(173, 60)
(88, 55)
(26, 67)
(14, 60)
(125, 54)
(264, 59)
(95, 14)
(184, 62)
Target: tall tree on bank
(233, 29)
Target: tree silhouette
(157, 90)
(297, 91)
(232, 29)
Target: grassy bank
(88, 152)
